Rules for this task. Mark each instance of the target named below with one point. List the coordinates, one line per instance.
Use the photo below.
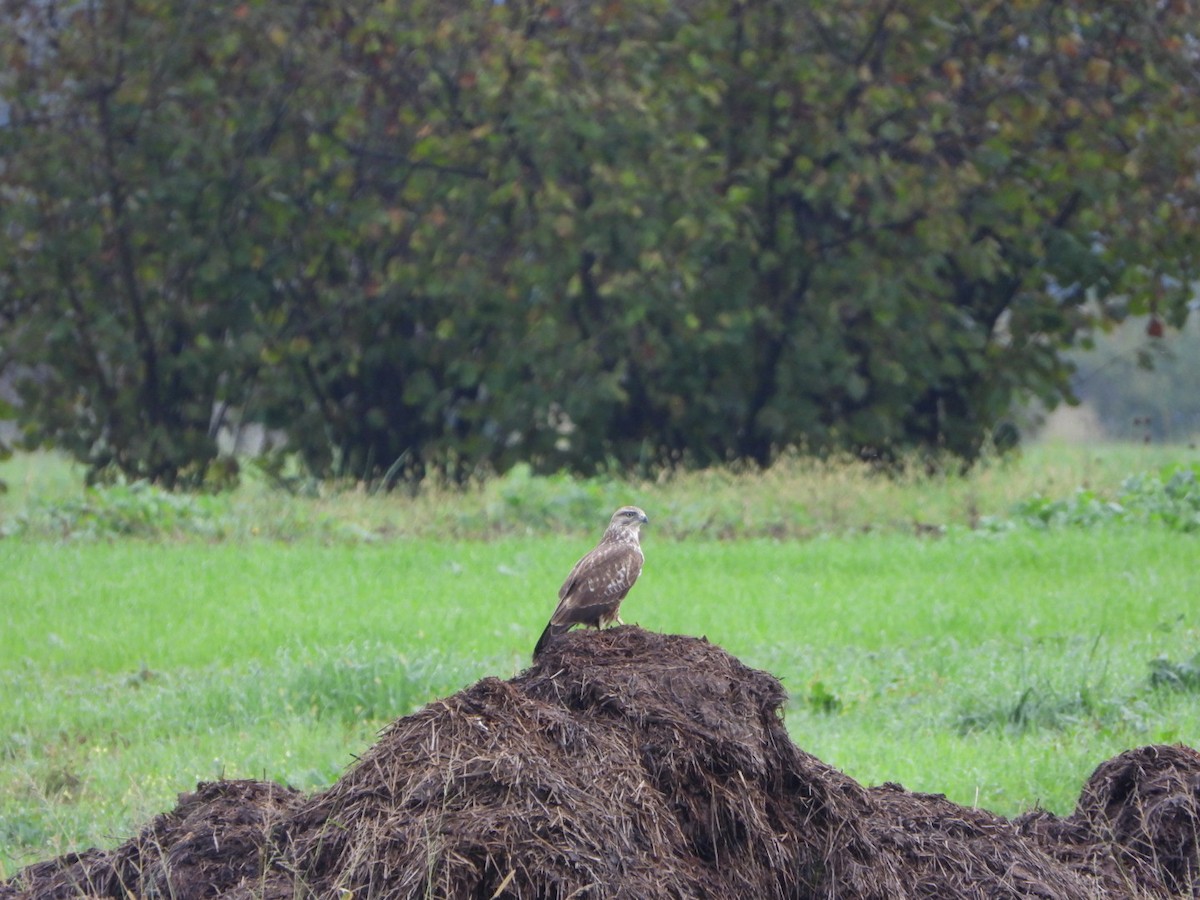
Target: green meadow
(991, 636)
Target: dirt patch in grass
(631, 764)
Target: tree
(454, 235)
(137, 146)
(901, 217)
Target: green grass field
(992, 637)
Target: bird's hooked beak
(644, 519)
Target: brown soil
(635, 765)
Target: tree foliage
(460, 235)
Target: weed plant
(798, 497)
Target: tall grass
(798, 497)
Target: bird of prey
(593, 592)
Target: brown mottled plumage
(593, 592)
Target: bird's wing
(599, 557)
(573, 577)
(601, 579)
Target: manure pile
(636, 765)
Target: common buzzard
(593, 592)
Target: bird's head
(628, 517)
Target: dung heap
(636, 765)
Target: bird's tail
(551, 631)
